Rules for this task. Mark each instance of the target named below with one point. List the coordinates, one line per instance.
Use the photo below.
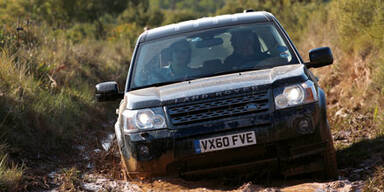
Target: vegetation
(53, 52)
(354, 83)
(10, 175)
(375, 183)
(70, 180)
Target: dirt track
(94, 165)
(96, 182)
(99, 170)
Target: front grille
(219, 107)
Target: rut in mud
(96, 167)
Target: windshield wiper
(159, 84)
(235, 71)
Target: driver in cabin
(173, 65)
(179, 59)
(246, 50)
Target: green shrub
(127, 32)
(359, 23)
(47, 88)
(80, 32)
(179, 16)
(293, 15)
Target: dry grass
(353, 84)
(376, 182)
(47, 91)
(51, 82)
(71, 180)
(47, 78)
(10, 174)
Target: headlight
(143, 119)
(295, 95)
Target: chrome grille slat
(216, 104)
(220, 107)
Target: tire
(329, 158)
(124, 169)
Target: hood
(156, 96)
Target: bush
(127, 32)
(47, 88)
(359, 23)
(48, 70)
(179, 16)
(293, 15)
(80, 32)
(378, 82)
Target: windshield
(211, 52)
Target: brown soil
(98, 170)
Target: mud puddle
(99, 182)
(98, 169)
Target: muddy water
(101, 183)
(104, 174)
(105, 177)
(180, 185)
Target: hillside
(53, 52)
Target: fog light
(281, 101)
(144, 151)
(304, 126)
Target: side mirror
(320, 57)
(108, 91)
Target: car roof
(205, 23)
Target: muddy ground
(94, 165)
(89, 174)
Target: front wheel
(329, 157)
(124, 168)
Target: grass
(10, 174)
(49, 88)
(47, 93)
(48, 73)
(375, 183)
(354, 83)
(379, 74)
(71, 180)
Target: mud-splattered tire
(330, 163)
(124, 169)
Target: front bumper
(279, 144)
